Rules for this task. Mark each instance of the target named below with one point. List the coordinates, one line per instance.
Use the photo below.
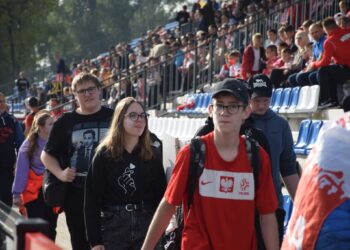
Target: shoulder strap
(252, 147)
(197, 160)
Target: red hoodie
(336, 46)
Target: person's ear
(247, 111)
(210, 110)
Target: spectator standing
(60, 153)
(61, 67)
(183, 16)
(33, 105)
(125, 182)
(279, 135)
(56, 112)
(26, 188)
(226, 157)
(331, 77)
(253, 56)
(11, 138)
(22, 84)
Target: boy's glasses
(90, 91)
(231, 109)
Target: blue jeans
(123, 229)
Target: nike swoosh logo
(206, 182)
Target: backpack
(172, 240)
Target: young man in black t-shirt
(61, 151)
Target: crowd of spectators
(209, 45)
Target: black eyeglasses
(135, 116)
(90, 90)
(231, 109)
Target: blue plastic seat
(199, 104)
(294, 99)
(303, 137)
(288, 208)
(314, 131)
(277, 99)
(272, 98)
(206, 103)
(286, 100)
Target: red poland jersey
(222, 213)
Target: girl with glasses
(125, 182)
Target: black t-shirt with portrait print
(128, 181)
(74, 138)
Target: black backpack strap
(252, 147)
(197, 160)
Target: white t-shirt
(256, 59)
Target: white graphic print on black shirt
(126, 180)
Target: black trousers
(6, 181)
(278, 78)
(39, 209)
(74, 210)
(330, 78)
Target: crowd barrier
(19, 233)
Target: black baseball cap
(233, 86)
(260, 86)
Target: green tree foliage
(21, 30)
(31, 30)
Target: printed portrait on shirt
(85, 140)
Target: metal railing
(14, 227)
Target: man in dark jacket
(279, 135)
(11, 138)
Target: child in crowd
(272, 58)
(232, 66)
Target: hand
(285, 72)
(17, 201)
(309, 68)
(98, 247)
(67, 175)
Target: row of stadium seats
(183, 128)
(287, 100)
(295, 100)
(195, 104)
(308, 133)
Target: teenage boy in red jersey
(224, 201)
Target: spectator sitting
(272, 38)
(271, 56)
(310, 77)
(331, 77)
(232, 66)
(278, 76)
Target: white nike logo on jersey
(226, 185)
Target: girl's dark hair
(33, 135)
